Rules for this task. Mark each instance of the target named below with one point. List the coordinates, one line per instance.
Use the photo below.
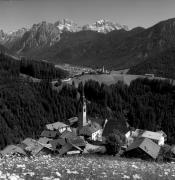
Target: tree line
(30, 67)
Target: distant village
(85, 135)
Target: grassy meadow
(83, 167)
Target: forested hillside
(25, 107)
(162, 65)
(34, 68)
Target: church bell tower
(83, 115)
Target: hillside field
(109, 79)
(83, 167)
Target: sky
(15, 14)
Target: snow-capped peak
(104, 26)
(101, 21)
(67, 25)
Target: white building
(158, 137)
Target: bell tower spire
(84, 113)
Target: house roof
(11, 149)
(68, 134)
(34, 149)
(146, 145)
(88, 130)
(44, 140)
(29, 142)
(73, 120)
(56, 142)
(146, 134)
(34, 146)
(65, 148)
(135, 144)
(77, 141)
(49, 134)
(55, 126)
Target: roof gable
(149, 134)
(44, 140)
(77, 141)
(68, 134)
(56, 126)
(73, 120)
(147, 145)
(49, 134)
(11, 149)
(29, 141)
(146, 134)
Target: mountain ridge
(117, 49)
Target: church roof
(88, 130)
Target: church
(87, 127)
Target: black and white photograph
(87, 89)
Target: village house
(12, 149)
(58, 126)
(35, 147)
(158, 137)
(143, 148)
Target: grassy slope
(84, 167)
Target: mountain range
(47, 34)
(102, 43)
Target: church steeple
(84, 110)
(83, 115)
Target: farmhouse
(158, 137)
(144, 148)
